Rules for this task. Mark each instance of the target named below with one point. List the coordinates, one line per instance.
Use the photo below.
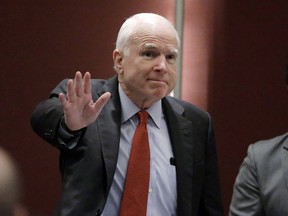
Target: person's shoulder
(188, 107)
(269, 146)
(280, 139)
(94, 82)
(189, 111)
(99, 83)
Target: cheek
(132, 78)
(173, 78)
(120, 75)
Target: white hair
(131, 25)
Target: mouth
(157, 81)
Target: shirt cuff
(66, 137)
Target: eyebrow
(154, 46)
(149, 46)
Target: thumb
(101, 101)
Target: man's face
(148, 71)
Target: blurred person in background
(10, 187)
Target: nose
(161, 64)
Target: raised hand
(79, 108)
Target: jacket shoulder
(266, 151)
(269, 144)
(187, 108)
(96, 85)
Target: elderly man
(169, 167)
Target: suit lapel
(109, 129)
(284, 159)
(180, 135)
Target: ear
(117, 58)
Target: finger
(63, 100)
(100, 103)
(87, 83)
(78, 84)
(71, 95)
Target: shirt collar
(129, 109)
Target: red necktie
(135, 195)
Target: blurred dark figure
(10, 187)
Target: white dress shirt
(162, 196)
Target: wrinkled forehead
(146, 41)
(159, 34)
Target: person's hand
(79, 108)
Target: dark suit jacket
(87, 170)
(261, 187)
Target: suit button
(98, 213)
(48, 132)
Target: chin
(160, 94)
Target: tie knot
(143, 116)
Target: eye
(171, 58)
(149, 54)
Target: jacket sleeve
(246, 196)
(46, 119)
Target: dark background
(234, 55)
